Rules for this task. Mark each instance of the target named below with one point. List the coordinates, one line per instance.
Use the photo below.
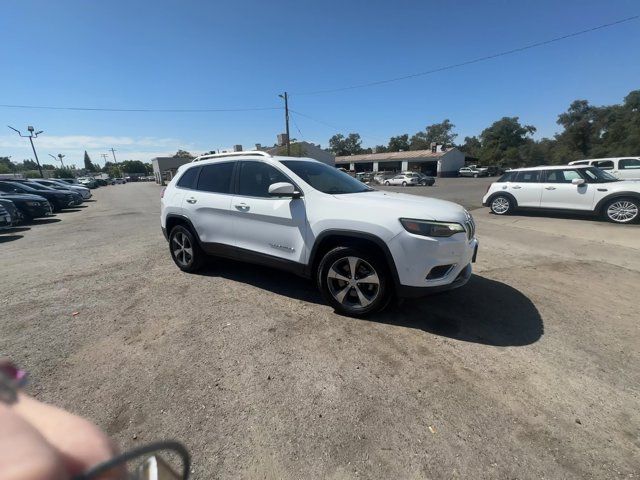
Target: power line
(143, 110)
(476, 60)
(334, 127)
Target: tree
(341, 145)
(63, 173)
(48, 166)
(399, 143)
(133, 166)
(440, 133)
(502, 140)
(5, 169)
(183, 154)
(472, 146)
(580, 128)
(297, 150)
(379, 149)
(88, 164)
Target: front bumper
(415, 256)
(463, 277)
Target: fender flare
(505, 194)
(603, 201)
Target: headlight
(33, 204)
(428, 228)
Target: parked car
(380, 177)
(72, 181)
(77, 198)
(88, 182)
(59, 185)
(58, 199)
(101, 182)
(359, 244)
(472, 172)
(118, 181)
(493, 170)
(623, 168)
(5, 218)
(12, 210)
(403, 179)
(572, 188)
(365, 177)
(424, 180)
(29, 206)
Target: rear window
(604, 164)
(188, 178)
(528, 176)
(629, 164)
(216, 177)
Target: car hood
(407, 206)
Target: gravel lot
(530, 371)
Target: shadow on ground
(484, 311)
(9, 238)
(15, 230)
(44, 221)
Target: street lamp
(60, 157)
(31, 136)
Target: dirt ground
(530, 371)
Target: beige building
(436, 162)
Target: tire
(404, 184)
(622, 210)
(501, 205)
(345, 293)
(387, 183)
(185, 250)
(475, 175)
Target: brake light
(162, 192)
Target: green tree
(63, 173)
(88, 164)
(472, 146)
(441, 133)
(349, 145)
(502, 140)
(133, 166)
(580, 124)
(379, 149)
(398, 144)
(48, 166)
(183, 154)
(5, 169)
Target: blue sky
(176, 54)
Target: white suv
(623, 168)
(360, 245)
(574, 188)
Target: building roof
(391, 156)
(549, 167)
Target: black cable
(145, 110)
(469, 62)
(122, 459)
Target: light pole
(31, 136)
(60, 157)
(286, 118)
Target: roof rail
(232, 154)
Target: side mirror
(578, 181)
(283, 189)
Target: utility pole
(104, 158)
(31, 136)
(113, 152)
(60, 157)
(286, 118)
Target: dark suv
(58, 200)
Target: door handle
(242, 206)
(191, 200)
(515, 187)
(549, 188)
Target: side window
(216, 177)
(255, 178)
(188, 178)
(528, 176)
(629, 164)
(604, 164)
(562, 176)
(507, 177)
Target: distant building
(164, 168)
(438, 161)
(302, 149)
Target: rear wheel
(353, 281)
(501, 205)
(475, 175)
(185, 251)
(622, 210)
(404, 184)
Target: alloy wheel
(353, 282)
(500, 205)
(182, 249)
(622, 211)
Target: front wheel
(622, 210)
(387, 183)
(404, 184)
(475, 175)
(501, 205)
(185, 251)
(354, 282)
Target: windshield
(325, 178)
(37, 186)
(599, 176)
